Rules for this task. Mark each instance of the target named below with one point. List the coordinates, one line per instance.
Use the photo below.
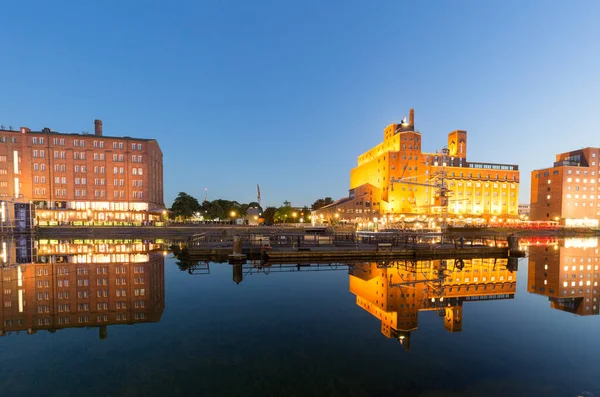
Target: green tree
(284, 213)
(269, 214)
(185, 206)
(322, 202)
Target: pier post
(237, 256)
(237, 245)
(513, 244)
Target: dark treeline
(187, 207)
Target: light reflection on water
(430, 328)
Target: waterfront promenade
(186, 230)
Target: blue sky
(287, 94)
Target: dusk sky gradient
(287, 94)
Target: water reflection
(566, 273)
(396, 294)
(55, 284)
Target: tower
(457, 143)
(453, 318)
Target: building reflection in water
(55, 284)
(395, 293)
(567, 273)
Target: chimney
(98, 127)
(412, 117)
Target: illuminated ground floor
(81, 213)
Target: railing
(286, 239)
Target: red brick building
(568, 192)
(82, 177)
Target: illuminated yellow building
(567, 275)
(397, 178)
(396, 293)
(81, 283)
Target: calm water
(289, 331)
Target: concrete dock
(337, 251)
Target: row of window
(584, 196)
(79, 143)
(460, 193)
(577, 180)
(82, 156)
(83, 193)
(83, 168)
(583, 204)
(43, 271)
(569, 172)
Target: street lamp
(232, 214)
